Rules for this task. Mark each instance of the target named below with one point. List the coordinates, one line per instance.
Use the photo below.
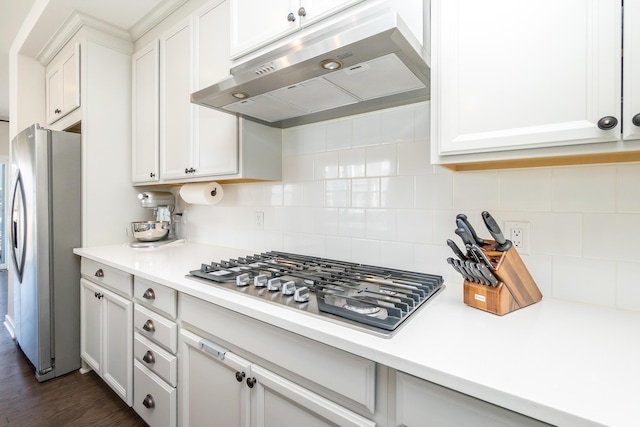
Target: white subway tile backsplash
(584, 189)
(366, 130)
(325, 165)
(476, 190)
(383, 203)
(338, 193)
(611, 236)
(351, 163)
(526, 190)
(627, 289)
(381, 224)
(365, 193)
(381, 160)
(397, 192)
(627, 188)
(584, 280)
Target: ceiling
(48, 15)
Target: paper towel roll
(202, 193)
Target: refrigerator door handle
(19, 221)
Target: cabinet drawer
(164, 364)
(155, 296)
(112, 278)
(156, 327)
(337, 371)
(153, 399)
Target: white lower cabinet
(422, 403)
(106, 336)
(218, 387)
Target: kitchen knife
(458, 266)
(479, 277)
(471, 230)
(479, 254)
(464, 233)
(456, 250)
(488, 275)
(502, 244)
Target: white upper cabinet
(631, 71)
(175, 103)
(63, 83)
(216, 133)
(521, 80)
(145, 110)
(256, 24)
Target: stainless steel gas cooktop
(375, 299)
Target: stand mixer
(151, 232)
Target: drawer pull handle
(99, 273)
(148, 402)
(149, 294)
(251, 382)
(149, 326)
(149, 357)
(240, 376)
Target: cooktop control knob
(274, 284)
(260, 281)
(289, 288)
(301, 294)
(243, 280)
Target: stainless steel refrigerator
(45, 226)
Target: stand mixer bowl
(150, 231)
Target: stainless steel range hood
(380, 64)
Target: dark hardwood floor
(71, 400)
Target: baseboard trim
(9, 326)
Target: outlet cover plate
(525, 227)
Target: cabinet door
(508, 76)
(631, 85)
(319, 9)
(278, 402)
(216, 133)
(421, 403)
(117, 362)
(256, 23)
(175, 102)
(146, 110)
(63, 84)
(90, 325)
(210, 394)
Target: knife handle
(502, 244)
(456, 250)
(464, 232)
(471, 230)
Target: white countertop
(564, 363)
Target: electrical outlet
(259, 220)
(518, 233)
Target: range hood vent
(364, 63)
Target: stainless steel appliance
(45, 227)
(160, 231)
(362, 63)
(376, 299)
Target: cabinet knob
(251, 382)
(186, 170)
(607, 122)
(149, 294)
(149, 326)
(148, 402)
(152, 175)
(291, 17)
(302, 12)
(99, 273)
(149, 357)
(636, 120)
(98, 295)
(240, 376)
(57, 111)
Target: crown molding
(154, 17)
(70, 27)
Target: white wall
(4, 138)
(363, 189)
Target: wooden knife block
(516, 287)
